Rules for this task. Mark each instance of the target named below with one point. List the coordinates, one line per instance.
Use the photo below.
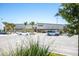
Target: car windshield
(52, 31)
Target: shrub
(34, 49)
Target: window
(40, 25)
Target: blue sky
(40, 13)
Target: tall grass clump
(31, 49)
(34, 49)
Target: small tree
(25, 23)
(70, 12)
(9, 27)
(32, 23)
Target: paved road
(60, 44)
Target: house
(39, 27)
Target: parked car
(21, 33)
(3, 33)
(25, 33)
(53, 33)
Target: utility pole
(1, 21)
(57, 20)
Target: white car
(53, 33)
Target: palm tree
(32, 23)
(25, 23)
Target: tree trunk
(78, 44)
(32, 28)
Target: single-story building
(39, 27)
(23, 28)
(46, 27)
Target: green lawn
(55, 54)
